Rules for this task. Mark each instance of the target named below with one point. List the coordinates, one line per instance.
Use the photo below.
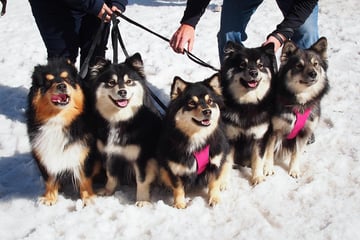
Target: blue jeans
(236, 14)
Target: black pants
(65, 31)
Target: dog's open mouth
(120, 102)
(308, 82)
(250, 84)
(60, 99)
(203, 122)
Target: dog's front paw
(48, 200)
(295, 173)
(214, 200)
(105, 192)
(88, 200)
(142, 203)
(268, 170)
(180, 205)
(255, 180)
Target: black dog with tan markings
(127, 125)
(60, 136)
(246, 79)
(193, 147)
(300, 86)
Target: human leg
(308, 33)
(56, 27)
(235, 15)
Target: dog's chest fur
(116, 143)
(56, 152)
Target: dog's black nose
(122, 93)
(61, 87)
(253, 73)
(312, 74)
(206, 112)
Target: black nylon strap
(189, 54)
(85, 66)
(115, 38)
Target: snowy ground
(323, 204)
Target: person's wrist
(278, 36)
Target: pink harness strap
(202, 159)
(299, 122)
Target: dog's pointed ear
(320, 47)
(37, 76)
(100, 63)
(269, 50)
(230, 48)
(177, 88)
(288, 50)
(137, 63)
(214, 83)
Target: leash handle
(191, 56)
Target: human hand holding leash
(278, 40)
(185, 34)
(108, 11)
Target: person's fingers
(115, 10)
(176, 44)
(107, 10)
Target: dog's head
(55, 90)
(195, 107)
(247, 72)
(119, 89)
(304, 71)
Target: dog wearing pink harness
(300, 85)
(193, 148)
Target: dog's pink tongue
(58, 98)
(252, 84)
(123, 102)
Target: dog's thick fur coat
(246, 78)
(60, 138)
(128, 125)
(193, 125)
(300, 86)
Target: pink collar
(202, 159)
(299, 122)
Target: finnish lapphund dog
(246, 79)
(128, 125)
(193, 147)
(60, 138)
(300, 86)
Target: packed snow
(323, 204)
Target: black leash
(85, 66)
(116, 37)
(189, 54)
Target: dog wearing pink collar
(193, 148)
(300, 85)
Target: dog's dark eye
(111, 83)
(129, 82)
(260, 65)
(299, 66)
(242, 64)
(192, 103)
(316, 64)
(210, 101)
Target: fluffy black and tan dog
(60, 137)
(300, 85)
(246, 78)
(128, 124)
(193, 147)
